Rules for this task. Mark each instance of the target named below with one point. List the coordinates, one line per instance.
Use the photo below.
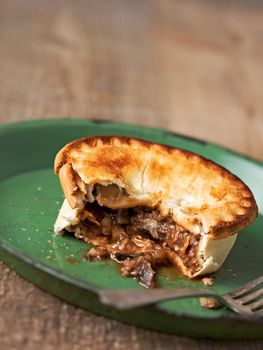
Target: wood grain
(191, 66)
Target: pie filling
(138, 238)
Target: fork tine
(251, 296)
(258, 312)
(256, 304)
(246, 287)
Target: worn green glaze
(31, 196)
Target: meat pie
(145, 205)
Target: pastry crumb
(208, 281)
(209, 303)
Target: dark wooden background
(192, 66)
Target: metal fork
(246, 300)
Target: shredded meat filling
(140, 239)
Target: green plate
(30, 197)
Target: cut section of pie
(146, 205)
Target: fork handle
(129, 299)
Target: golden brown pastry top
(202, 196)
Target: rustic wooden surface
(192, 66)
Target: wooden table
(195, 67)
